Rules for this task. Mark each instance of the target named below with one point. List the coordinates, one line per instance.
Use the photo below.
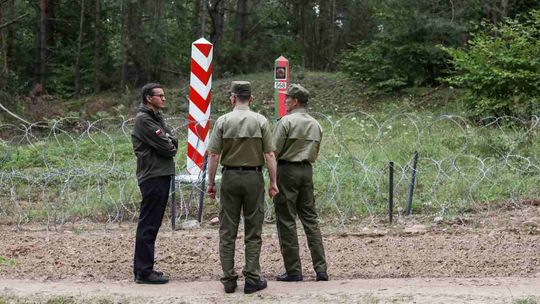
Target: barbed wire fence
(68, 169)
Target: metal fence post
(173, 202)
(203, 185)
(391, 191)
(411, 186)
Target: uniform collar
(241, 107)
(298, 110)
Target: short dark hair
(148, 90)
(302, 102)
(243, 98)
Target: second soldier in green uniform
(243, 139)
(297, 137)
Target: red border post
(281, 84)
(200, 98)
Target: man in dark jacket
(155, 148)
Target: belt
(230, 168)
(286, 162)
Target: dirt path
(489, 257)
(492, 290)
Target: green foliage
(266, 41)
(527, 300)
(403, 51)
(369, 63)
(7, 262)
(130, 42)
(62, 300)
(501, 68)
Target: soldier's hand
(273, 191)
(211, 190)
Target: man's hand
(211, 190)
(273, 190)
(213, 159)
(271, 164)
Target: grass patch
(528, 300)
(76, 169)
(61, 300)
(7, 262)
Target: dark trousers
(241, 192)
(295, 183)
(155, 193)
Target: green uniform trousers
(295, 183)
(241, 191)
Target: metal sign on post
(281, 84)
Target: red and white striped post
(200, 96)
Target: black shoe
(251, 288)
(159, 273)
(284, 277)
(152, 278)
(230, 287)
(321, 276)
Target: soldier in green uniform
(243, 139)
(297, 137)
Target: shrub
(501, 68)
(403, 51)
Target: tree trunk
(78, 55)
(10, 35)
(3, 72)
(129, 44)
(153, 64)
(2, 42)
(202, 19)
(51, 5)
(301, 24)
(504, 9)
(41, 43)
(240, 24)
(326, 42)
(199, 20)
(124, 39)
(216, 9)
(97, 47)
(321, 40)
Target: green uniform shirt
(241, 136)
(297, 137)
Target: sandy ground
(487, 257)
(418, 290)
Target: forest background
(71, 49)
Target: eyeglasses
(162, 96)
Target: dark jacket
(153, 145)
